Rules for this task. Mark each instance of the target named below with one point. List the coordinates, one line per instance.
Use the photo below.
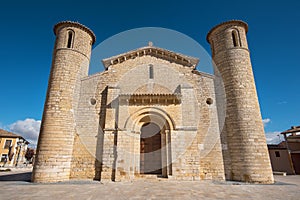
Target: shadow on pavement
(26, 176)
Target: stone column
(70, 62)
(246, 157)
(110, 137)
(164, 156)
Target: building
(285, 156)
(280, 159)
(13, 148)
(151, 113)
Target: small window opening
(93, 101)
(151, 75)
(277, 153)
(209, 101)
(4, 157)
(7, 144)
(70, 39)
(235, 39)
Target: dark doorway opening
(150, 149)
(296, 162)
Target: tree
(29, 154)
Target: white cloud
(266, 121)
(274, 137)
(28, 128)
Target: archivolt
(149, 114)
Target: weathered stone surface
(246, 154)
(92, 126)
(58, 128)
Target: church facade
(151, 113)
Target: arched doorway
(150, 149)
(153, 129)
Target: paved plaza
(16, 184)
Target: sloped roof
(293, 129)
(4, 133)
(153, 51)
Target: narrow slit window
(235, 39)
(277, 153)
(70, 39)
(151, 75)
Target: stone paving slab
(16, 185)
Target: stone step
(148, 176)
(279, 173)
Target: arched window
(70, 39)
(235, 38)
(151, 74)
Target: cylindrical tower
(70, 63)
(244, 145)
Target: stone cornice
(152, 51)
(74, 24)
(232, 22)
(149, 95)
(150, 98)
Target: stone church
(151, 114)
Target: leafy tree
(29, 154)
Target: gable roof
(4, 133)
(152, 51)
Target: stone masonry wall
(55, 145)
(88, 132)
(132, 77)
(246, 155)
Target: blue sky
(27, 42)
